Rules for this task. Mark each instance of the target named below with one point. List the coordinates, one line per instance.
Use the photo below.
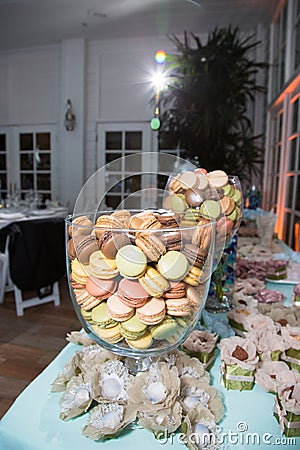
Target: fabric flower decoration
(166, 420)
(156, 389)
(62, 379)
(236, 350)
(93, 355)
(200, 341)
(282, 315)
(238, 318)
(291, 336)
(79, 337)
(268, 343)
(260, 321)
(76, 399)
(289, 392)
(200, 429)
(191, 367)
(241, 300)
(111, 380)
(269, 375)
(199, 392)
(107, 420)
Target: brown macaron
(151, 245)
(80, 225)
(172, 240)
(110, 242)
(84, 247)
(194, 197)
(195, 255)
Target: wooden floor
(29, 343)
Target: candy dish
(133, 296)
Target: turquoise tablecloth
(32, 423)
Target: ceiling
(27, 23)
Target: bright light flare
(159, 81)
(160, 56)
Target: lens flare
(160, 56)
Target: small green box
(235, 377)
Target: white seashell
(156, 392)
(81, 397)
(190, 402)
(111, 420)
(203, 434)
(111, 388)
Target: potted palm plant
(205, 103)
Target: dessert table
(32, 423)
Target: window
(3, 164)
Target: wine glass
(138, 280)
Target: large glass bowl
(138, 280)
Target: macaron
(194, 197)
(202, 234)
(178, 306)
(141, 343)
(193, 276)
(132, 293)
(227, 205)
(111, 335)
(172, 240)
(224, 226)
(110, 242)
(188, 179)
(79, 272)
(84, 247)
(117, 310)
(195, 295)
(71, 249)
(85, 300)
(195, 255)
(168, 219)
(80, 225)
(173, 265)
(144, 221)
(177, 290)
(153, 282)
(210, 209)
(133, 328)
(101, 318)
(152, 312)
(178, 203)
(131, 261)
(102, 267)
(175, 185)
(151, 245)
(165, 329)
(102, 289)
(217, 178)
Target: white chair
(44, 295)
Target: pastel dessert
(151, 245)
(173, 265)
(117, 310)
(131, 261)
(152, 312)
(102, 289)
(178, 306)
(276, 270)
(133, 328)
(132, 293)
(141, 343)
(102, 267)
(177, 290)
(84, 247)
(101, 318)
(153, 282)
(165, 329)
(111, 335)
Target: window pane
(113, 201)
(297, 46)
(133, 140)
(109, 157)
(133, 184)
(26, 141)
(2, 162)
(44, 182)
(132, 202)
(2, 142)
(3, 181)
(289, 198)
(43, 161)
(293, 147)
(134, 164)
(113, 140)
(278, 159)
(280, 126)
(27, 181)
(26, 161)
(297, 205)
(113, 183)
(295, 115)
(43, 141)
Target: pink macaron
(132, 293)
(153, 312)
(100, 288)
(224, 225)
(117, 310)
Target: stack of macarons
(134, 284)
(200, 194)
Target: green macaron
(132, 328)
(101, 318)
(165, 329)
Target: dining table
(33, 423)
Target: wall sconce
(70, 118)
